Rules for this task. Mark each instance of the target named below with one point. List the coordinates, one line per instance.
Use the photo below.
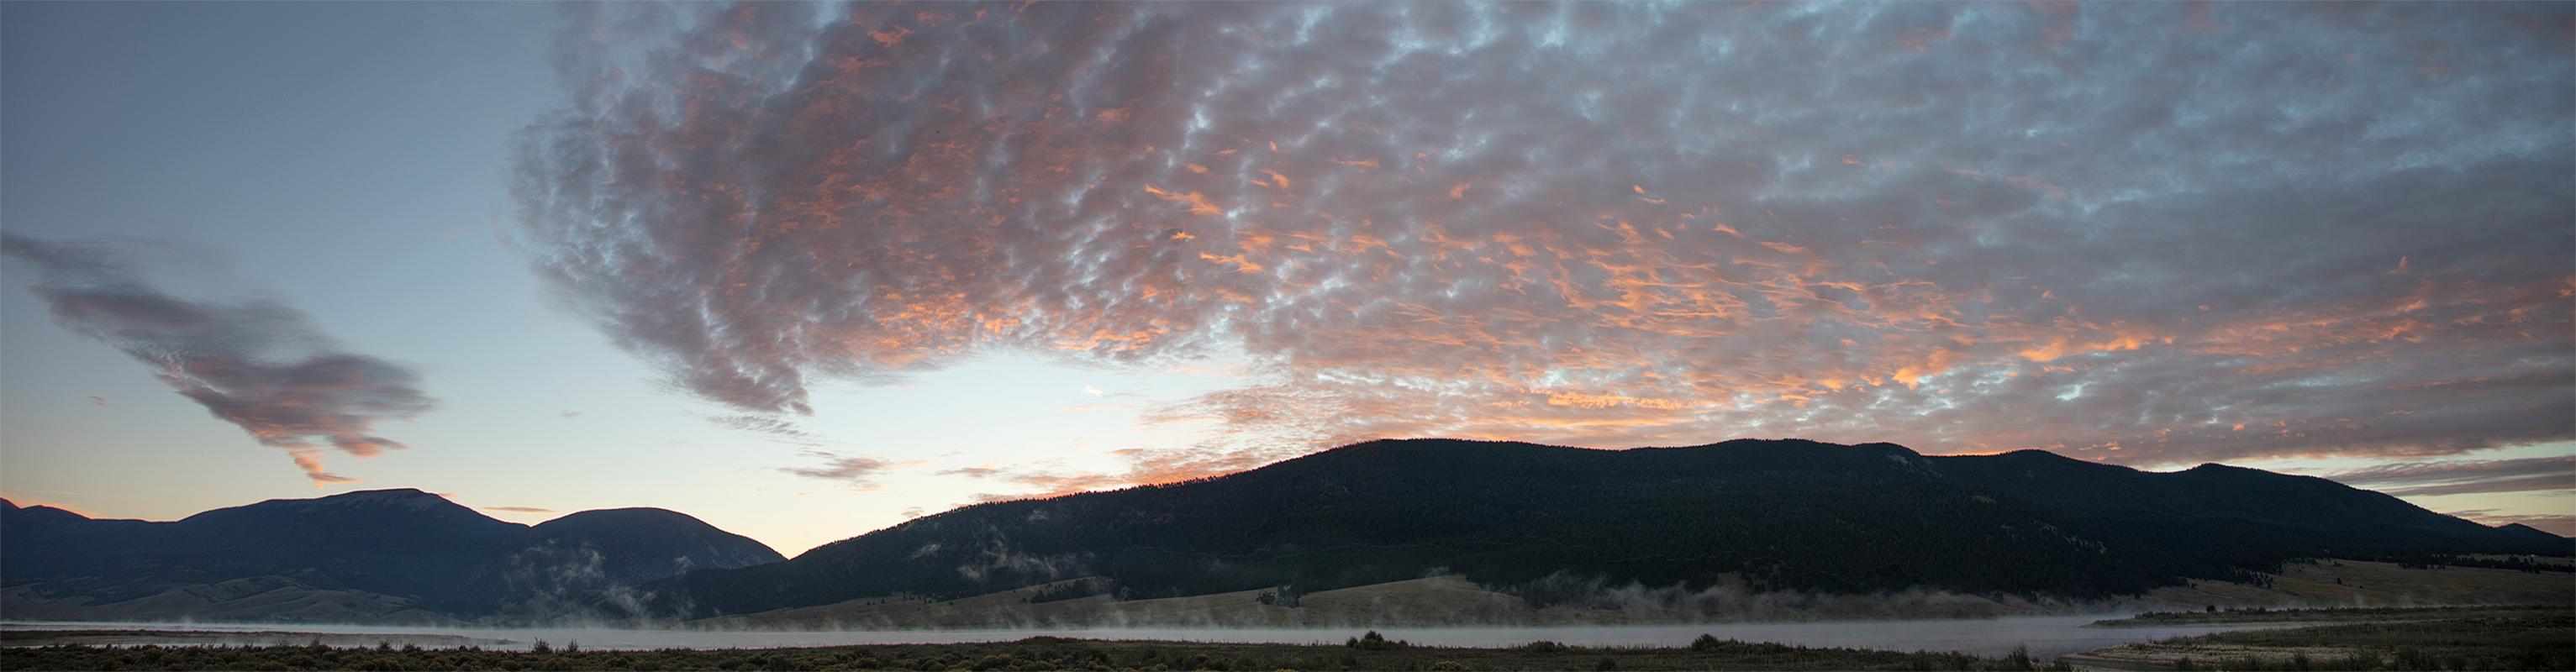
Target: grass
(2392, 639)
(2332, 615)
(1036, 653)
(2332, 582)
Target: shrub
(1543, 646)
(2019, 659)
(1375, 642)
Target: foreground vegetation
(1369, 652)
(2457, 638)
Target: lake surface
(2047, 636)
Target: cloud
(2465, 476)
(971, 472)
(518, 509)
(2142, 233)
(859, 473)
(1144, 467)
(1038, 483)
(768, 426)
(95, 400)
(261, 365)
(2554, 523)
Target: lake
(2047, 636)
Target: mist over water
(2046, 636)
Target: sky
(805, 271)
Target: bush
(2019, 659)
(1375, 642)
(1544, 646)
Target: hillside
(1555, 525)
(382, 555)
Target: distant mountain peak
(416, 547)
(385, 493)
(621, 515)
(2531, 532)
(411, 498)
(1882, 445)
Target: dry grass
(2354, 583)
(1438, 599)
(1451, 600)
(2530, 638)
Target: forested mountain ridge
(367, 554)
(1785, 514)
(1542, 522)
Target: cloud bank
(2465, 476)
(260, 365)
(2143, 233)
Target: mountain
(2522, 531)
(370, 555)
(1544, 520)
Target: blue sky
(1284, 227)
(351, 160)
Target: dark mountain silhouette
(377, 551)
(1786, 514)
(2534, 534)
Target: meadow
(1037, 653)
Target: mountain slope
(1778, 514)
(374, 552)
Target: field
(2361, 615)
(1452, 600)
(26, 637)
(2529, 638)
(1040, 653)
(2356, 583)
(1441, 600)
